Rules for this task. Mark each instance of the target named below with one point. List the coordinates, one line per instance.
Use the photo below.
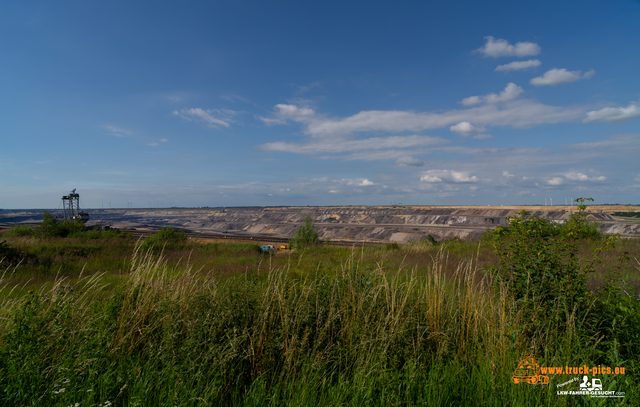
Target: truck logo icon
(595, 385)
(528, 371)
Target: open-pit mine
(400, 224)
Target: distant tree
(49, 224)
(306, 234)
(54, 227)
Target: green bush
(54, 227)
(166, 236)
(540, 268)
(21, 230)
(538, 264)
(306, 234)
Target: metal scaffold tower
(71, 207)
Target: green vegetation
(175, 239)
(305, 234)
(220, 324)
(55, 227)
(627, 214)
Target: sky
(256, 103)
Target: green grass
(627, 214)
(222, 324)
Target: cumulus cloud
(637, 178)
(614, 114)
(501, 48)
(506, 174)
(574, 176)
(510, 92)
(408, 161)
(558, 76)
(207, 116)
(518, 65)
(356, 182)
(578, 176)
(465, 129)
(482, 136)
(285, 112)
(294, 112)
(447, 176)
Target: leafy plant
(538, 260)
(166, 236)
(21, 230)
(306, 234)
(54, 227)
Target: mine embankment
(399, 224)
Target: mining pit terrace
(400, 224)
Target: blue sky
(318, 103)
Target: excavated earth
(386, 224)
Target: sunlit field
(105, 319)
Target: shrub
(54, 227)
(306, 234)
(538, 265)
(163, 237)
(21, 230)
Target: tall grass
(362, 336)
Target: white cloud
(154, 144)
(578, 176)
(501, 48)
(293, 111)
(286, 112)
(436, 176)
(207, 116)
(340, 145)
(575, 177)
(518, 65)
(506, 174)
(614, 114)
(558, 76)
(358, 182)
(482, 136)
(118, 132)
(510, 92)
(523, 113)
(472, 100)
(637, 178)
(408, 161)
(465, 129)
(163, 140)
(271, 122)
